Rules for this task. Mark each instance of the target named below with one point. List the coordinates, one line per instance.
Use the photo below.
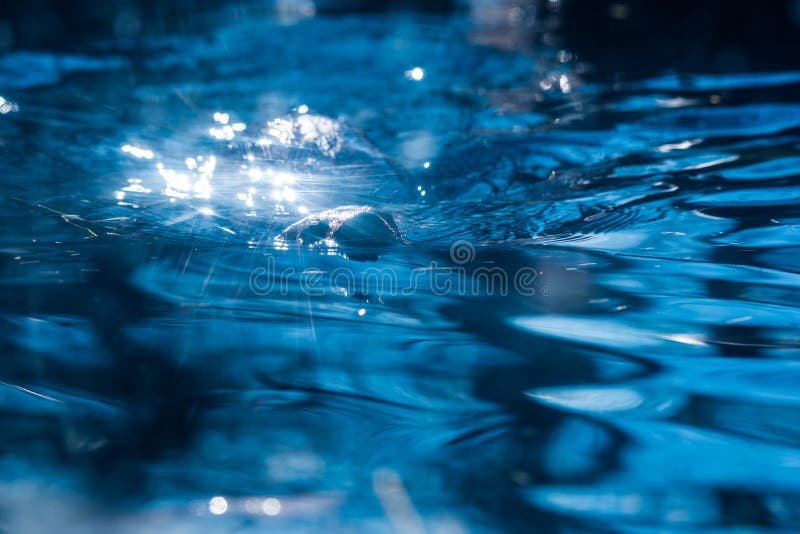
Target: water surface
(170, 363)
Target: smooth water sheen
(173, 360)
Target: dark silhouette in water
(153, 404)
(360, 231)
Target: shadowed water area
(288, 269)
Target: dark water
(569, 305)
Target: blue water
(515, 297)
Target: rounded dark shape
(354, 228)
(367, 229)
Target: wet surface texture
(394, 271)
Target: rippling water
(513, 298)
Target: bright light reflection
(193, 179)
(135, 186)
(180, 185)
(6, 106)
(137, 152)
(282, 178)
(281, 129)
(271, 506)
(247, 198)
(225, 131)
(304, 130)
(223, 134)
(688, 339)
(202, 188)
(677, 102)
(589, 399)
(556, 80)
(415, 74)
(208, 167)
(683, 145)
(218, 505)
(286, 194)
(563, 83)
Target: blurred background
(615, 37)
